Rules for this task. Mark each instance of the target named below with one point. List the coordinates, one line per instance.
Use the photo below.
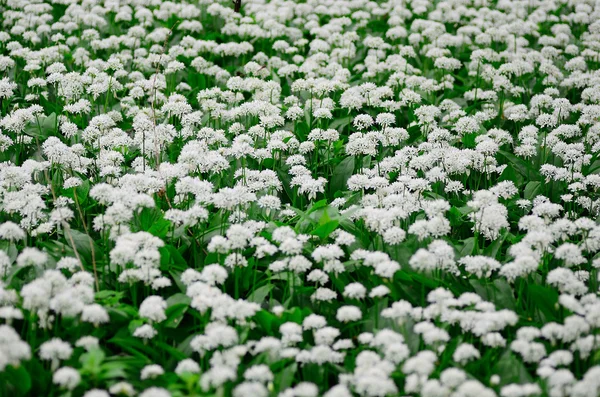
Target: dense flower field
(323, 198)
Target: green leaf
(285, 378)
(544, 300)
(465, 210)
(135, 347)
(593, 168)
(377, 25)
(84, 244)
(108, 297)
(469, 140)
(172, 351)
(83, 191)
(532, 189)
(511, 369)
(455, 217)
(10, 249)
(467, 247)
(494, 248)
(341, 173)
(46, 127)
(18, 378)
(135, 324)
(113, 370)
(176, 275)
(177, 306)
(509, 174)
(160, 228)
(316, 206)
(266, 321)
(302, 130)
(339, 122)
(152, 220)
(525, 168)
(259, 294)
(324, 230)
(171, 259)
(427, 281)
(175, 314)
(91, 361)
(184, 347)
(49, 122)
(499, 292)
(178, 299)
(286, 179)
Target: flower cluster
(300, 198)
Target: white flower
(260, 373)
(66, 377)
(187, 366)
(145, 332)
(348, 313)
(153, 308)
(151, 371)
(12, 348)
(464, 353)
(87, 342)
(155, 392)
(94, 314)
(55, 349)
(250, 389)
(11, 231)
(394, 235)
(96, 393)
(122, 388)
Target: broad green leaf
(173, 352)
(160, 228)
(91, 361)
(136, 347)
(266, 320)
(532, 189)
(184, 347)
(594, 168)
(341, 173)
(499, 292)
(259, 294)
(467, 248)
(42, 128)
(178, 299)
(113, 370)
(324, 230)
(152, 220)
(465, 210)
(19, 379)
(455, 217)
(469, 140)
(509, 174)
(10, 249)
(84, 244)
(493, 249)
(285, 378)
(171, 259)
(109, 297)
(340, 122)
(544, 300)
(511, 369)
(523, 167)
(316, 206)
(83, 191)
(177, 306)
